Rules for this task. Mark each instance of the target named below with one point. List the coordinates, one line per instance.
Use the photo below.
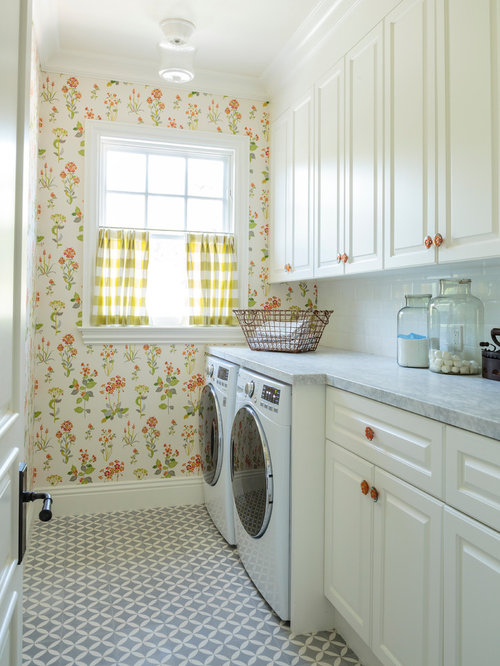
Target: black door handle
(24, 497)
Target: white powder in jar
(413, 352)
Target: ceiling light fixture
(176, 53)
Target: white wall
(365, 308)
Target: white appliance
(216, 411)
(260, 466)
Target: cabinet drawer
(473, 475)
(405, 444)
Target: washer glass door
(211, 435)
(251, 472)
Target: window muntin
(169, 192)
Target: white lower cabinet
(415, 577)
(383, 559)
(471, 592)
(407, 583)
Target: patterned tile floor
(158, 586)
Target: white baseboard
(129, 496)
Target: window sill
(140, 334)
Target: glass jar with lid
(413, 337)
(456, 328)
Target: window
(169, 182)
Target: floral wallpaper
(108, 413)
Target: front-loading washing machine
(215, 416)
(260, 472)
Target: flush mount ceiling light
(176, 53)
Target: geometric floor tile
(157, 586)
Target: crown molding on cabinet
(326, 17)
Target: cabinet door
(348, 542)
(407, 621)
(410, 131)
(364, 148)
(329, 240)
(302, 190)
(471, 592)
(469, 80)
(280, 198)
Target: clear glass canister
(413, 337)
(456, 327)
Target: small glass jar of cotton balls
(455, 329)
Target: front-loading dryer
(260, 472)
(215, 416)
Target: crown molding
(310, 37)
(146, 71)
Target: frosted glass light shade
(177, 64)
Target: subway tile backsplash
(366, 307)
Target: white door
(410, 134)
(280, 255)
(364, 152)
(348, 536)
(469, 97)
(407, 619)
(12, 75)
(329, 240)
(302, 190)
(471, 591)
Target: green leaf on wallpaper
(252, 223)
(162, 405)
(253, 145)
(38, 327)
(37, 414)
(81, 152)
(80, 235)
(78, 410)
(251, 302)
(112, 82)
(265, 253)
(41, 152)
(39, 239)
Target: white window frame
(98, 132)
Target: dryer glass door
(211, 435)
(251, 472)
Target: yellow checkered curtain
(212, 272)
(121, 278)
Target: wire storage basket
(291, 331)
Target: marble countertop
(472, 403)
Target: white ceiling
(236, 40)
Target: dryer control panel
(270, 397)
(270, 394)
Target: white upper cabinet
(468, 90)
(280, 179)
(292, 202)
(410, 134)
(364, 150)
(330, 129)
(349, 131)
(406, 131)
(301, 227)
